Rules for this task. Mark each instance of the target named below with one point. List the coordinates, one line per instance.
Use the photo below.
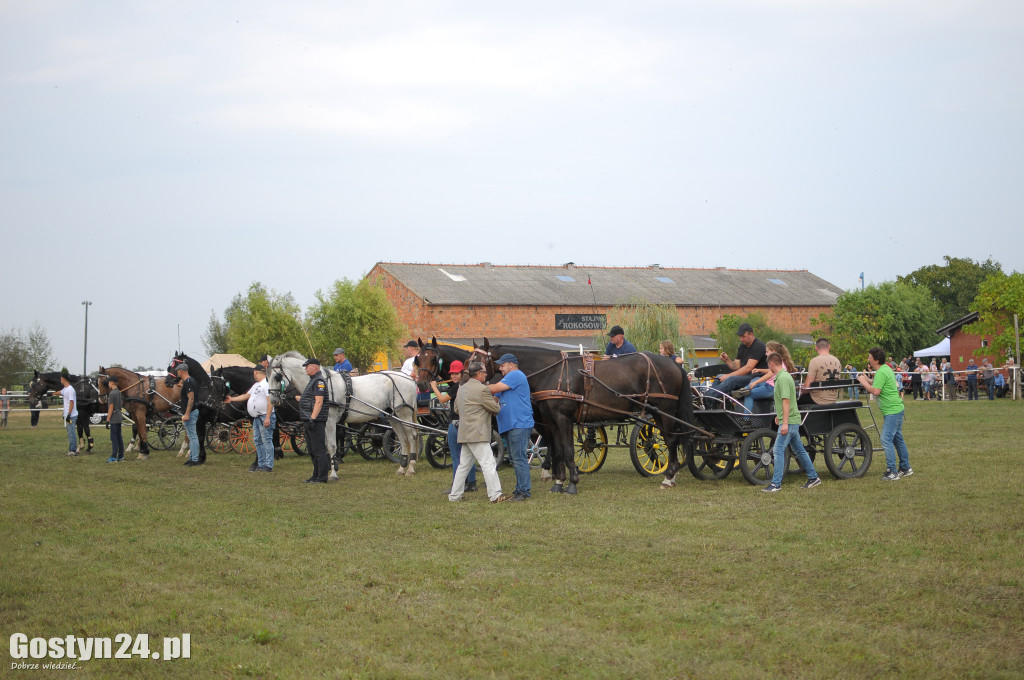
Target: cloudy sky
(156, 157)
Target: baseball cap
(616, 330)
(456, 367)
(339, 350)
(508, 359)
(311, 360)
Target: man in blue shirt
(515, 420)
(618, 345)
(340, 362)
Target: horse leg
(201, 435)
(278, 451)
(561, 451)
(408, 439)
(140, 423)
(332, 442)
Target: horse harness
(562, 388)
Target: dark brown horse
(568, 388)
(141, 395)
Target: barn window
(664, 279)
(778, 282)
(567, 279)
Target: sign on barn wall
(580, 322)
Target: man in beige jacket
(475, 406)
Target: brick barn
(567, 305)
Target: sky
(158, 157)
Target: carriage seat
(828, 407)
(710, 371)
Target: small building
(568, 305)
(962, 345)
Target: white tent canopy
(939, 350)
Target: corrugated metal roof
(485, 284)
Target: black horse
(569, 388)
(86, 399)
(236, 380)
(208, 397)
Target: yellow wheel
(648, 450)
(591, 448)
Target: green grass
(379, 576)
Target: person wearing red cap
(456, 371)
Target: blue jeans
(518, 441)
(116, 442)
(893, 444)
(792, 440)
(264, 438)
(760, 391)
(72, 435)
(990, 387)
(193, 438)
(455, 448)
(732, 383)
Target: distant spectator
(1001, 386)
(926, 380)
(851, 373)
(972, 380)
(5, 406)
(988, 375)
(949, 380)
(410, 349)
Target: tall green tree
(22, 352)
(356, 316)
(898, 317)
(646, 325)
(263, 322)
(215, 337)
(953, 285)
(38, 349)
(999, 298)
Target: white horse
(387, 393)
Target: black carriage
(735, 436)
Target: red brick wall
(962, 347)
(477, 321)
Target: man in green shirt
(891, 406)
(787, 416)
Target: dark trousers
(116, 441)
(990, 387)
(316, 444)
(972, 389)
(34, 417)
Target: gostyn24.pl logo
(123, 646)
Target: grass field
(379, 576)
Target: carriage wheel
(437, 451)
(590, 448)
(813, 444)
(153, 436)
(369, 442)
(535, 452)
(218, 438)
(647, 450)
(392, 447)
(848, 451)
(241, 437)
(498, 447)
(298, 441)
(169, 432)
(711, 460)
(757, 458)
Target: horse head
(427, 364)
(37, 388)
(283, 373)
(482, 353)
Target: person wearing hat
(751, 354)
(475, 406)
(515, 419)
(189, 413)
(618, 344)
(455, 371)
(340, 362)
(410, 349)
(70, 412)
(261, 410)
(313, 413)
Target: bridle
(432, 373)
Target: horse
(208, 399)
(141, 395)
(86, 399)
(568, 389)
(357, 399)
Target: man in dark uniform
(313, 412)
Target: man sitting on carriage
(751, 354)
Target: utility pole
(85, 345)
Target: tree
(39, 350)
(953, 285)
(358, 317)
(215, 338)
(263, 322)
(13, 361)
(898, 317)
(646, 325)
(999, 298)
